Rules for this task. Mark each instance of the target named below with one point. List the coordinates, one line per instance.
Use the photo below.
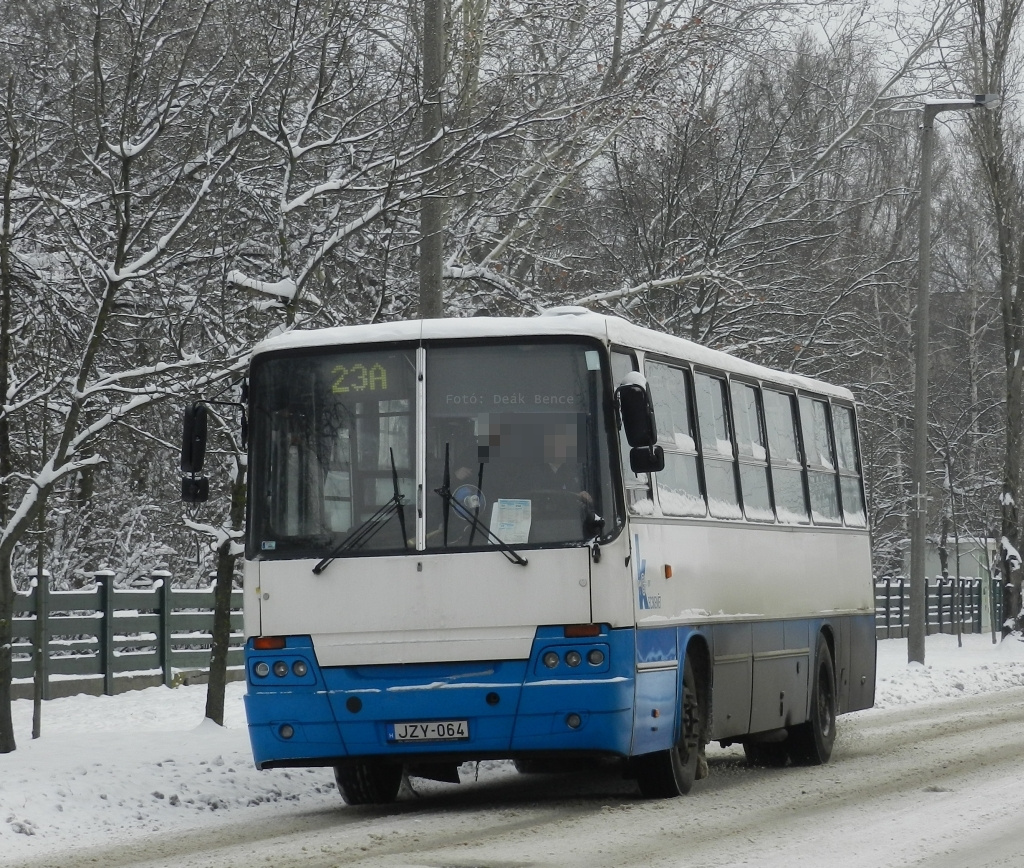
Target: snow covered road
(931, 777)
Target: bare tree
(131, 136)
(995, 66)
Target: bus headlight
(595, 657)
(280, 669)
(550, 659)
(573, 658)
(300, 668)
(261, 669)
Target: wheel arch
(827, 631)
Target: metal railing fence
(966, 600)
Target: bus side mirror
(646, 459)
(193, 438)
(194, 488)
(636, 407)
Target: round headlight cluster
(573, 658)
(262, 669)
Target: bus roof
(550, 323)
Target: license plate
(432, 730)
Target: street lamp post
(919, 510)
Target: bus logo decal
(641, 579)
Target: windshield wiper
(369, 528)
(449, 500)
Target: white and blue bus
(543, 538)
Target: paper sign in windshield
(510, 520)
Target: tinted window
(753, 456)
(716, 447)
(822, 481)
(784, 453)
(679, 490)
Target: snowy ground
(145, 763)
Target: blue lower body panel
(571, 695)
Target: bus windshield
(519, 430)
(516, 450)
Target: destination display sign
(539, 378)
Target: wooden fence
(947, 600)
(105, 639)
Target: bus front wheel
(365, 782)
(811, 743)
(668, 773)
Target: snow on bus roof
(552, 322)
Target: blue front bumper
(513, 708)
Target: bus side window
(716, 447)
(784, 456)
(679, 490)
(849, 466)
(752, 452)
(822, 481)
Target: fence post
(996, 593)
(42, 636)
(105, 586)
(887, 584)
(903, 607)
(162, 579)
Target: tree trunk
(7, 741)
(222, 602)
(1010, 541)
(995, 40)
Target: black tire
(810, 744)
(365, 782)
(773, 755)
(665, 774)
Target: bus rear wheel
(810, 743)
(365, 782)
(668, 773)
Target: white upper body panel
(558, 321)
